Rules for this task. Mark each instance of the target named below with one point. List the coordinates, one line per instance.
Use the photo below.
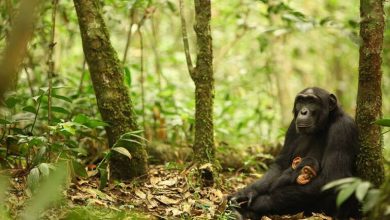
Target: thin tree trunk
(202, 75)
(113, 100)
(204, 148)
(369, 99)
(15, 50)
(204, 84)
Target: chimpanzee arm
(281, 163)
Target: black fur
(321, 130)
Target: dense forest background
(264, 52)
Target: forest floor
(167, 193)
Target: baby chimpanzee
(301, 172)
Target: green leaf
(79, 169)
(122, 151)
(30, 109)
(126, 142)
(91, 123)
(96, 123)
(127, 77)
(335, 183)
(60, 110)
(37, 141)
(38, 157)
(11, 101)
(37, 98)
(171, 6)
(5, 122)
(44, 168)
(33, 179)
(371, 200)
(383, 122)
(345, 193)
(362, 190)
(80, 118)
(103, 177)
(62, 98)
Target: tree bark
(369, 98)
(17, 40)
(112, 98)
(204, 148)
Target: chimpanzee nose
(304, 111)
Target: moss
(369, 100)
(113, 100)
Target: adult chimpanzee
(320, 130)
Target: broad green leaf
(33, 179)
(49, 192)
(338, 182)
(96, 123)
(29, 109)
(383, 122)
(345, 193)
(91, 123)
(62, 98)
(122, 151)
(371, 200)
(362, 190)
(44, 168)
(79, 169)
(60, 110)
(80, 118)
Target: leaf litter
(165, 194)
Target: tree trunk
(204, 148)
(369, 99)
(17, 40)
(112, 98)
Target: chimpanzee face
(311, 110)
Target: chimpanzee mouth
(304, 125)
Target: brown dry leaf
(265, 218)
(91, 173)
(169, 182)
(82, 182)
(173, 211)
(216, 196)
(154, 180)
(152, 204)
(320, 216)
(140, 194)
(96, 202)
(186, 207)
(166, 200)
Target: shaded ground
(169, 192)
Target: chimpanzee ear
(332, 102)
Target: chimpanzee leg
(261, 205)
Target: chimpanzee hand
(243, 197)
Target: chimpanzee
(320, 130)
(301, 172)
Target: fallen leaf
(169, 182)
(140, 194)
(166, 200)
